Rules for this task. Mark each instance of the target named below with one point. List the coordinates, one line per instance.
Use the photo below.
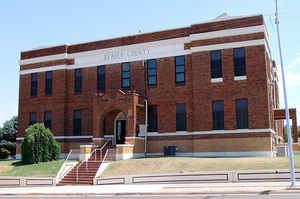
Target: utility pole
(287, 115)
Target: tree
(10, 129)
(8, 134)
(39, 145)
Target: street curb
(266, 192)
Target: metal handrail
(101, 150)
(86, 161)
(66, 159)
(68, 155)
(105, 155)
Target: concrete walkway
(147, 189)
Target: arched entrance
(113, 126)
(120, 129)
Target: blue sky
(30, 24)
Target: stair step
(75, 181)
(86, 171)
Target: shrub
(8, 135)
(7, 148)
(39, 145)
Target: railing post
(77, 174)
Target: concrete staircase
(86, 170)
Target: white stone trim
(86, 146)
(192, 37)
(227, 32)
(212, 132)
(138, 46)
(239, 44)
(124, 145)
(43, 59)
(109, 136)
(216, 80)
(98, 139)
(93, 59)
(237, 78)
(64, 137)
(221, 154)
(151, 50)
(43, 69)
(135, 138)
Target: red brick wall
(197, 92)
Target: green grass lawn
(17, 168)
(186, 164)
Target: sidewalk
(147, 189)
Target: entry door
(120, 131)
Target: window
(47, 119)
(218, 115)
(32, 118)
(179, 69)
(152, 118)
(216, 64)
(104, 126)
(242, 113)
(78, 81)
(77, 122)
(48, 87)
(180, 117)
(152, 72)
(239, 62)
(126, 75)
(101, 79)
(34, 84)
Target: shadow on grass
(18, 163)
(266, 192)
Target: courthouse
(210, 89)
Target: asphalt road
(218, 196)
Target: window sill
(180, 84)
(152, 86)
(237, 78)
(181, 132)
(216, 80)
(125, 88)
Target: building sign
(126, 54)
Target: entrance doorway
(120, 131)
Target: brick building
(211, 90)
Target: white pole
(287, 115)
(146, 123)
